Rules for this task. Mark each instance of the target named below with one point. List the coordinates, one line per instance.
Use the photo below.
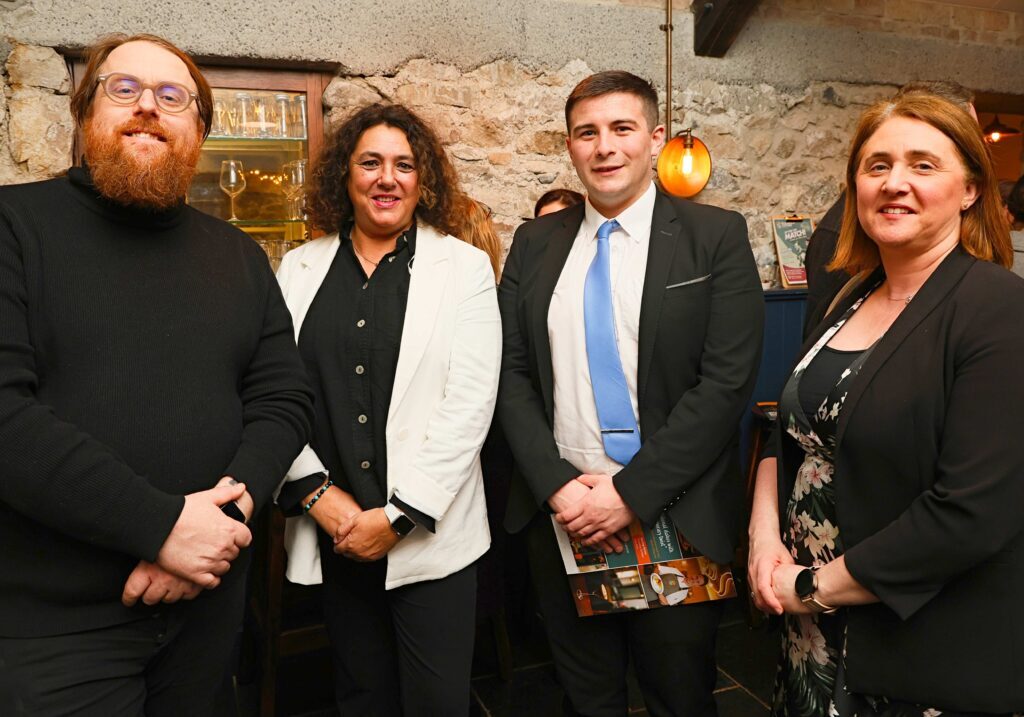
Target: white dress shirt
(577, 429)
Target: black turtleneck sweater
(143, 356)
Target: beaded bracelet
(315, 498)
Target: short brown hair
(983, 232)
(327, 200)
(557, 196)
(97, 53)
(611, 81)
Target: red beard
(153, 181)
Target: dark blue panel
(783, 336)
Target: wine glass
(232, 182)
(294, 186)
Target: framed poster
(791, 233)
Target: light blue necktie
(619, 432)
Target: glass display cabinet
(267, 126)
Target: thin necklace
(359, 254)
(904, 299)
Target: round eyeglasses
(125, 89)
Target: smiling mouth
(606, 170)
(139, 134)
(386, 200)
(896, 210)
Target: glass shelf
(232, 140)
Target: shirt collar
(405, 239)
(635, 219)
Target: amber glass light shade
(684, 165)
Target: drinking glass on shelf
(219, 126)
(232, 182)
(261, 120)
(294, 185)
(281, 99)
(245, 114)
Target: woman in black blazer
(900, 469)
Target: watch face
(402, 525)
(805, 583)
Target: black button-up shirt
(350, 341)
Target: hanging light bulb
(996, 130)
(688, 153)
(684, 165)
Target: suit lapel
(666, 230)
(556, 250)
(931, 295)
(427, 284)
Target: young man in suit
(630, 351)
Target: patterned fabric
(810, 681)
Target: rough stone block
(873, 8)
(994, 20)
(41, 130)
(917, 11)
(784, 149)
(345, 93)
(38, 67)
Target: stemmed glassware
(294, 186)
(232, 182)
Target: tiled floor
(746, 659)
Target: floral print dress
(810, 680)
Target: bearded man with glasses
(151, 398)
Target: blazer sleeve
(705, 420)
(972, 509)
(520, 404)
(459, 424)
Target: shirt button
(362, 418)
(366, 285)
(364, 465)
(390, 259)
(361, 323)
(360, 370)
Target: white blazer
(443, 398)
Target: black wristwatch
(232, 510)
(401, 523)
(806, 586)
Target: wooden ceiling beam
(717, 23)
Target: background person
(146, 356)
(1014, 203)
(900, 474)
(555, 200)
(398, 324)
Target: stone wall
(776, 112)
(773, 150)
(36, 130)
(906, 18)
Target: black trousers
(672, 649)
(169, 664)
(407, 651)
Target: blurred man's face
(140, 154)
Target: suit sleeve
(972, 509)
(705, 420)
(53, 472)
(277, 403)
(459, 424)
(520, 404)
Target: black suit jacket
(929, 481)
(701, 323)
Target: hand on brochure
(569, 495)
(599, 515)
